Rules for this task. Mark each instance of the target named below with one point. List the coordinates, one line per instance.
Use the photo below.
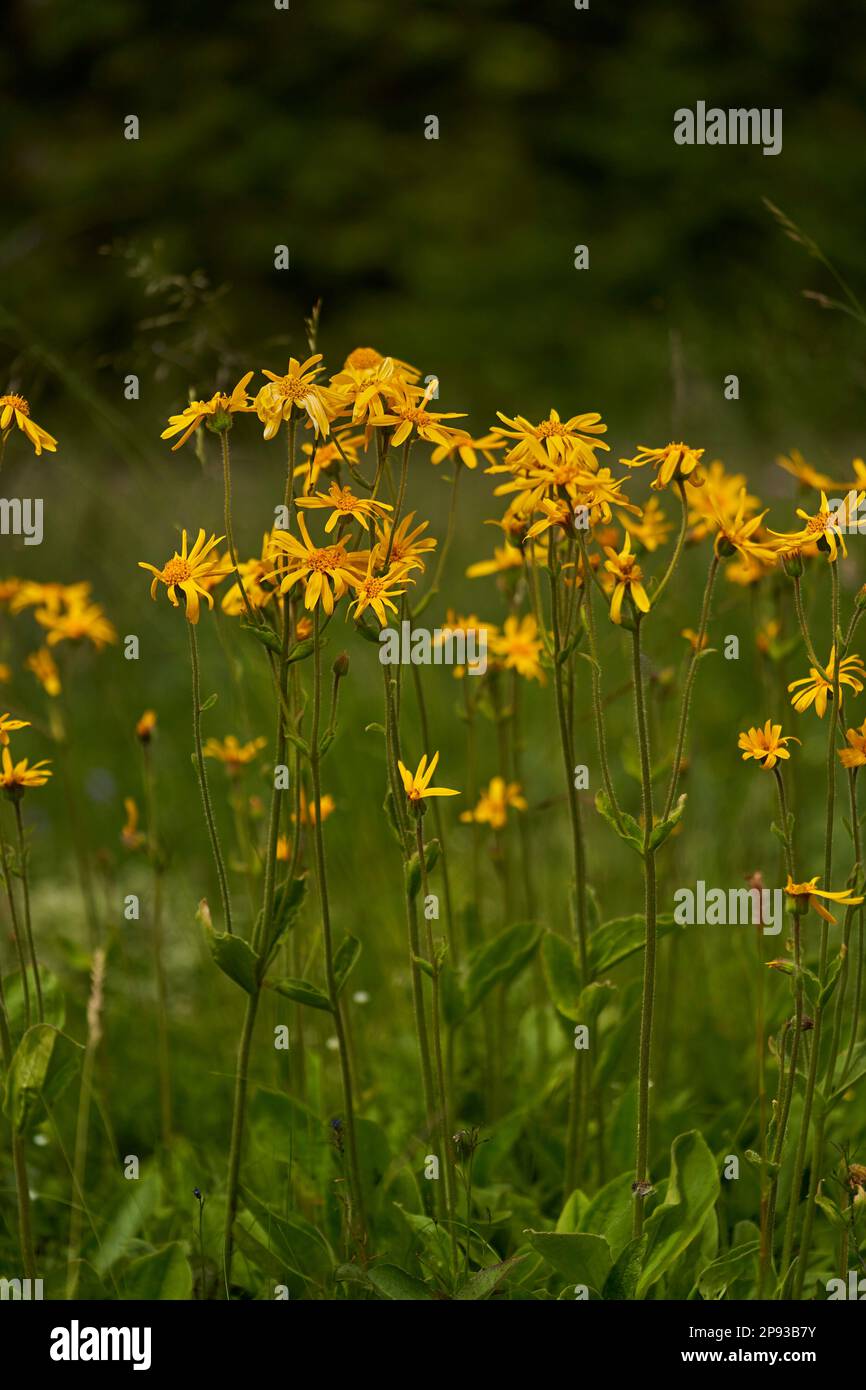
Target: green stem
(687, 691)
(28, 926)
(237, 1132)
(649, 976)
(202, 780)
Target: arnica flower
(17, 777)
(379, 591)
(417, 784)
(651, 529)
(51, 596)
(255, 576)
(628, 578)
(308, 808)
(468, 450)
(408, 544)
(197, 412)
(845, 897)
(232, 753)
(795, 464)
(825, 528)
(765, 745)
(187, 571)
(366, 389)
(493, 804)
(326, 571)
(673, 461)
(855, 755)
(345, 506)
(720, 495)
(817, 688)
(470, 627)
(80, 622)
(553, 438)
(505, 557)
(327, 457)
(519, 646)
(297, 390)
(44, 668)
(131, 837)
(15, 410)
(407, 414)
(144, 729)
(8, 725)
(734, 533)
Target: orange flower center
(362, 358)
(549, 427)
(176, 571)
(17, 403)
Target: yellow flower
(408, 545)
(187, 571)
(8, 725)
(130, 834)
(378, 591)
(255, 575)
(734, 533)
(80, 621)
(553, 438)
(325, 570)
(194, 414)
(308, 808)
(808, 891)
(672, 461)
(297, 390)
(767, 635)
(5, 673)
(468, 450)
(15, 410)
(44, 668)
(505, 557)
(470, 627)
(345, 505)
(824, 526)
(816, 688)
(765, 745)
(417, 785)
(692, 638)
(16, 777)
(493, 804)
(651, 529)
(52, 597)
(364, 387)
(855, 755)
(720, 494)
(303, 629)
(327, 457)
(406, 413)
(746, 570)
(804, 472)
(146, 725)
(519, 647)
(232, 753)
(628, 578)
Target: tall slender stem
(649, 975)
(202, 780)
(25, 889)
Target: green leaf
(345, 959)
(413, 867)
(692, 1190)
(620, 938)
(44, 1062)
(484, 1282)
(288, 898)
(388, 1281)
(208, 704)
(611, 1213)
(627, 829)
(265, 635)
(500, 961)
(164, 1275)
(561, 974)
(303, 993)
(718, 1277)
(661, 831)
(301, 650)
(581, 1258)
(622, 1281)
(234, 956)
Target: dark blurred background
(306, 127)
